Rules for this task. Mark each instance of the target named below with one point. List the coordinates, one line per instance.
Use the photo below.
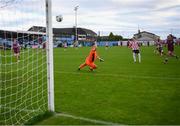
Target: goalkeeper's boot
(90, 69)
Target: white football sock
(139, 55)
(134, 57)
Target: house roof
(147, 33)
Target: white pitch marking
(86, 119)
(120, 75)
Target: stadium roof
(15, 34)
(66, 31)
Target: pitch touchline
(120, 75)
(86, 119)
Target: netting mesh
(23, 66)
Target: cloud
(119, 16)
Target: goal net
(23, 61)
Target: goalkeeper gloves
(101, 60)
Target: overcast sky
(122, 16)
(118, 16)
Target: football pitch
(119, 91)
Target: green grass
(119, 91)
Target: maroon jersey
(16, 47)
(170, 45)
(44, 45)
(40, 40)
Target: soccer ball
(59, 18)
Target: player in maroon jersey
(170, 47)
(16, 49)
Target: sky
(122, 17)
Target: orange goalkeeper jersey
(92, 56)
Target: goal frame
(49, 50)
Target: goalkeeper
(90, 59)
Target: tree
(118, 37)
(111, 37)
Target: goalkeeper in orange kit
(90, 59)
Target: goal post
(50, 59)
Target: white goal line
(86, 119)
(120, 75)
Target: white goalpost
(50, 55)
(26, 60)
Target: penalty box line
(120, 75)
(86, 119)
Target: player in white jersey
(134, 45)
(159, 46)
(65, 46)
(106, 45)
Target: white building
(146, 38)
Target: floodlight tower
(76, 31)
